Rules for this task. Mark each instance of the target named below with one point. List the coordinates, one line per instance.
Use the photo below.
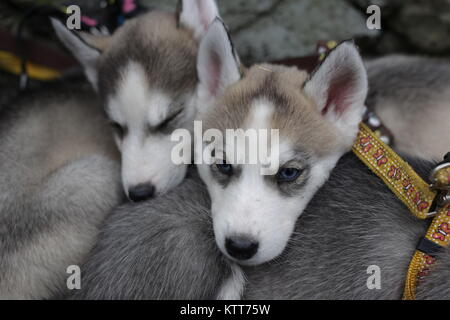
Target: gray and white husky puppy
(59, 174)
(58, 163)
(352, 222)
(146, 76)
(411, 95)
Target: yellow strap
(11, 63)
(396, 173)
(439, 233)
(413, 192)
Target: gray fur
(353, 222)
(159, 249)
(411, 95)
(60, 177)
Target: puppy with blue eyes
(316, 118)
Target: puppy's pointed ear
(84, 47)
(339, 88)
(218, 65)
(197, 15)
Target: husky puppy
(411, 95)
(317, 118)
(58, 163)
(352, 222)
(146, 76)
(59, 174)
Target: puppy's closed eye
(163, 126)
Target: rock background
(265, 30)
(414, 26)
(276, 29)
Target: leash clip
(441, 201)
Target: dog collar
(422, 199)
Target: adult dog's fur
(411, 95)
(141, 256)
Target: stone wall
(265, 30)
(275, 29)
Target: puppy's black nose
(141, 192)
(241, 248)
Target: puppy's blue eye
(225, 168)
(288, 174)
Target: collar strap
(423, 200)
(437, 237)
(396, 173)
